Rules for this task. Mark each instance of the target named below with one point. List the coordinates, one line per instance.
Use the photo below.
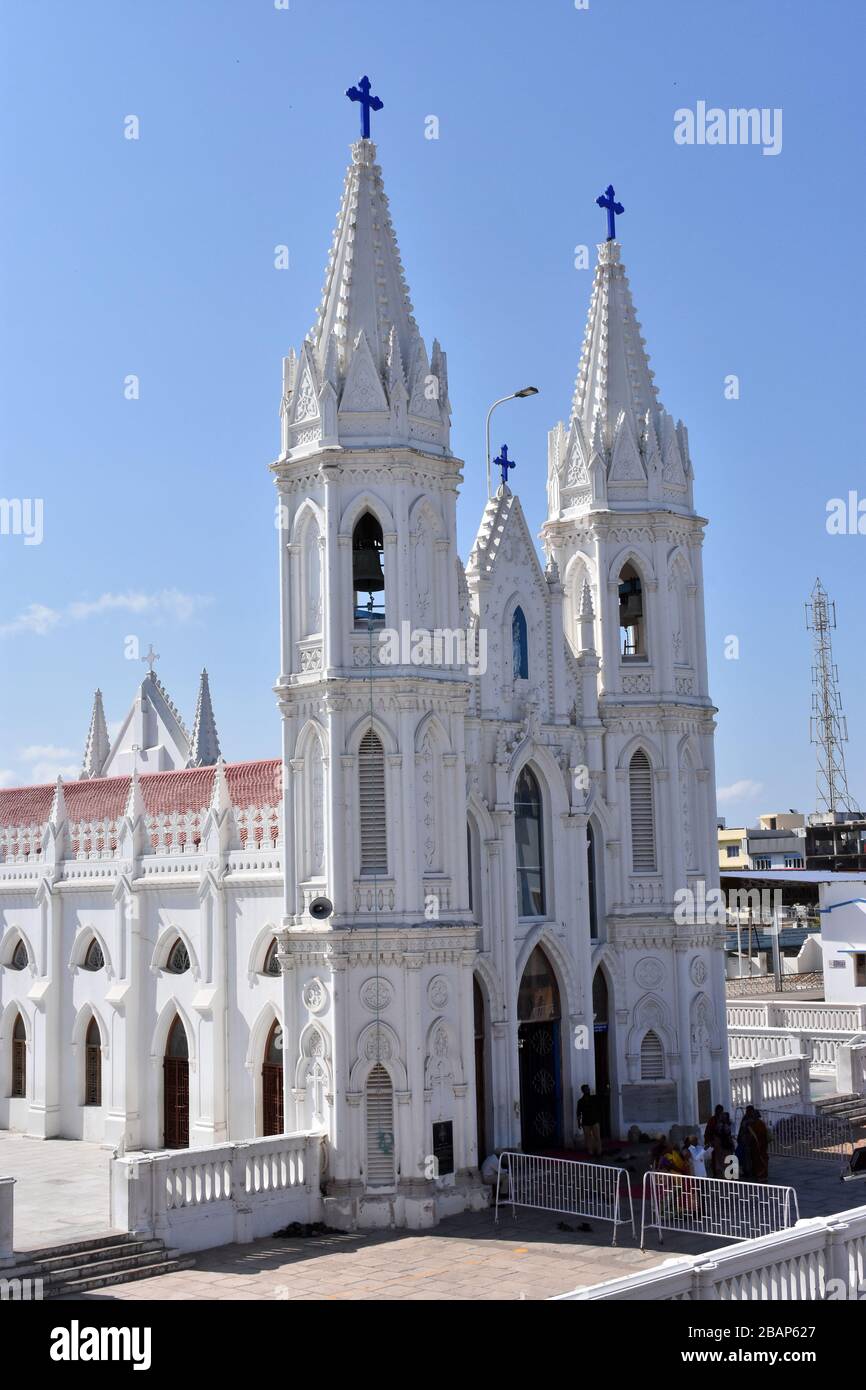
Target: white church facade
(499, 811)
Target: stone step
(74, 1288)
(84, 1269)
(48, 1265)
(71, 1247)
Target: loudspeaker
(320, 908)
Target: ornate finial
(361, 93)
(150, 658)
(614, 209)
(503, 463)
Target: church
(448, 901)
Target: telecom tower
(828, 727)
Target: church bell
(367, 575)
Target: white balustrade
(824, 1257)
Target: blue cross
(362, 93)
(503, 463)
(614, 210)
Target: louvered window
(643, 840)
(371, 787)
(93, 1065)
(652, 1058)
(381, 1171)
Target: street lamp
(515, 396)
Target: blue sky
(155, 257)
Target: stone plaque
(443, 1147)
(649, 1104)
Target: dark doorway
(176, 1088)
(272, 1083)
(480, 1089)
(538, 1041)
(601, 1037)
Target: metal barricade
(720, 1207)
(794, 1134)
(565, 1185)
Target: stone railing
(851, 1066)
(819, 1017)
(750, 985)
(780, 1083)
(754, 1044)
(194, 1199)
(92, 839)
(823, 1257)
(20, 843)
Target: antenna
(828, 727)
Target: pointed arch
(171, 1009)
(653, 1066)
(84, 938)
(367, 502)
(519, 645)
(309, 784)
(11, 939)
(631, 554)
(87, 1013)
(642, 814)
(650, 1014)
(385, 1050)
(530, 845)
(442, 1060)
(560, 964)
(259, 950)
(260, 1029)
(165, 941)
(309, 509)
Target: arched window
(93, 1065)
(529, 841)
(538, 996)
(178, 962)
(19, 1058)
(640, 790)
(272, 1082)
(519, 646)
(272, 965)
(19, 956)
(94, 959)
(381, 1167)
(371, 793)
(631, 615)
(368, 573)
(652, 1058)
(469, 864)
(591, 882)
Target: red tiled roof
(104, 798)
(255, 784)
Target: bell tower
(378, 997)
(622, 527)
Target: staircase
(844, 1107)
(68, 1271)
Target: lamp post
(515, 396)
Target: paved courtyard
(61, 1193)
(466, 1257)
(61, 1188)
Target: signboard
(649, 1104)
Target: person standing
(589, 1119)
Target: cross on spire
(614, 209)
(503, 463)
(361, 93)
(150, 657)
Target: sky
(154, 258)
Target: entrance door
(538, 1040)
(272, 1083)
(176, 1089)
(480, 1098)
(600, 1007)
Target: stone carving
(376, 994)
(649, 972)
(698, 970)
(315, 996)
(438, 992)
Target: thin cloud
(8, 778)
(40, 752)
(39, 619)
(739, 791)
(50, 771)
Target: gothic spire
(204, 744)
(365, 356)
(614, 373)
(97, 747)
